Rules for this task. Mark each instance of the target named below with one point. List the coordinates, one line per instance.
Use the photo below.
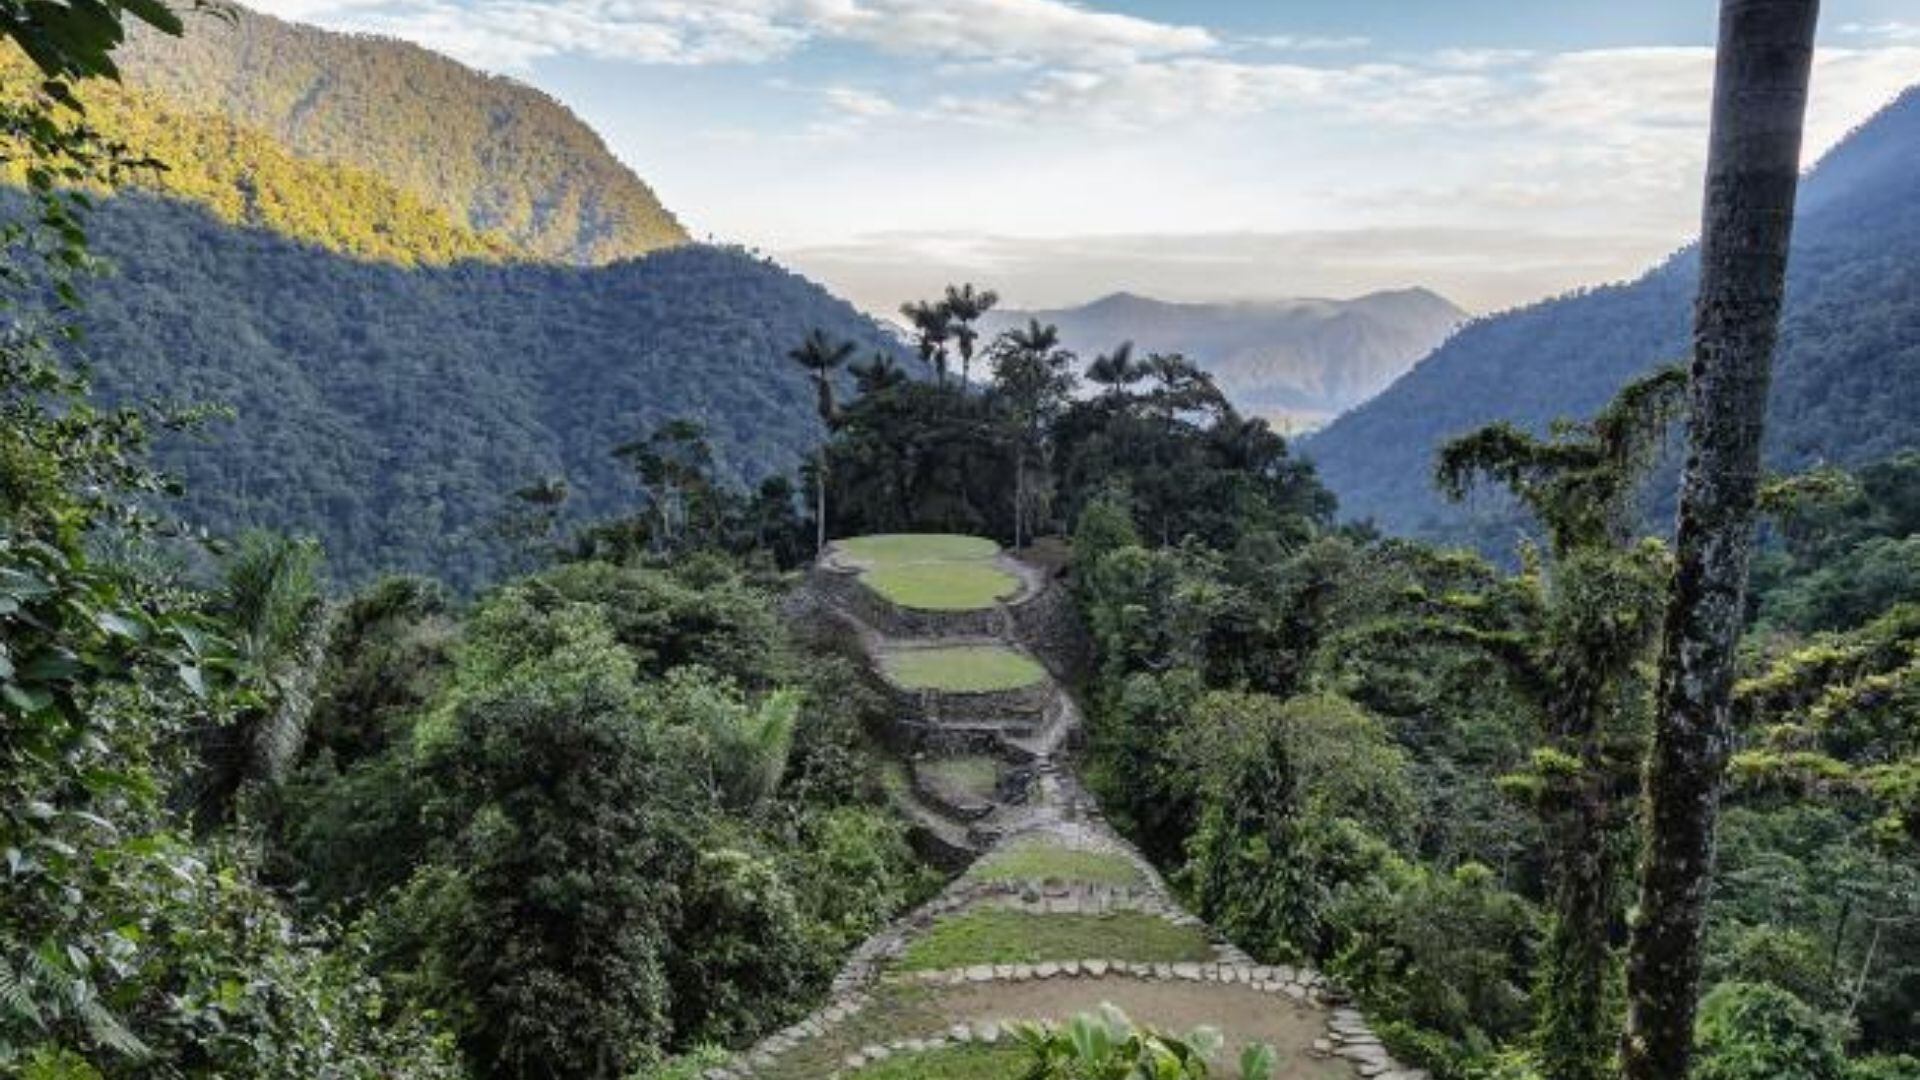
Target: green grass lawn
(907, 547)
(1051, 862)
(962, 669)
(974, 1062)
(942, 586)
(993, 936)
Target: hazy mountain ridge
(1297, 361)
(1847, 381)
(499, 157)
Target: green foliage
(1451, 957)
(743, 961)
(396, 432)
(1110, 1047)
(565, 868)
(578, 842)
(1753, 1031)
(127, 949)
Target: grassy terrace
(932, 572)
(1053, 863)
(973, 775)
(958, 1063)
(995, 936)
(916, 547)
(962, 669)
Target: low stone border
(1348, 1036)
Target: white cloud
(512, 34)
(1307, 42)
(1653, 99)
(1033, 30)
(1887, 31)
(862, 104)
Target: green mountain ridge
(1847, 380)
(247, 178)
(391, 411)
(497, 156)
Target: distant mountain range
(497, 156)
(1847, 381)
(1296, 362)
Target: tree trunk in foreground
(1759, 107)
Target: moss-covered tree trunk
(1759, 107)
(1579, 1010)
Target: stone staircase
(1034, 854)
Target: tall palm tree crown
(964, 307)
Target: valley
(454, 625)
(1296, 363)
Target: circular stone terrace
(934, 572)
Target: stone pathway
(879, 1011)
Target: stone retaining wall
(1048, 624)
(844, 588)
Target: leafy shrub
(1109, 1047)
(1754, 1031)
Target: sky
(1496, 151)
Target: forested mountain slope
(1847, 383)
(390, 412)
(497, 156)
(247, 178)
(1298, 362)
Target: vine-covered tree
(1598, 600)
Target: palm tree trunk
(820, 503)
(1759, 109)
(1019, 491)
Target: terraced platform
(1053, 914)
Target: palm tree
(965, 307)
(820, 354)
(933, 327)
(1759, 111)
(877, 375)
(271, 600)
(1035, 377)
(1116, 370)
